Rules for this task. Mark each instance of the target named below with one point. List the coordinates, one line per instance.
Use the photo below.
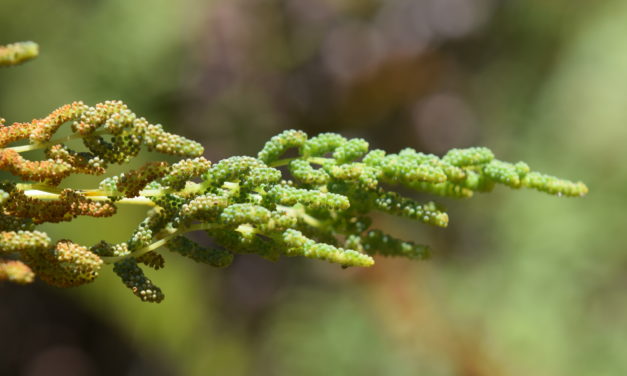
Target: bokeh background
(520, 283)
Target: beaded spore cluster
(317, 204)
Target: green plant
(318, 207)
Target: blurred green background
(520, 283)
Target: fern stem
(56, 141)
(159, 243)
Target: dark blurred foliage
(520, 283)
(45, 333)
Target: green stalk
(61, 140)
(159, 243)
